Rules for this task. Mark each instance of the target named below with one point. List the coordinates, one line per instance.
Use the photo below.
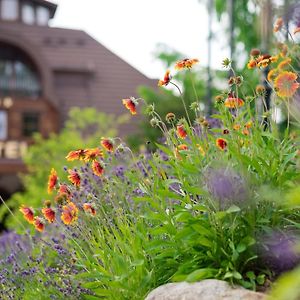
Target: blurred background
(65, 66)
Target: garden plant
(219, 198)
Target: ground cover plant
(219, 198)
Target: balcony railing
(19, 86)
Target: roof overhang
(52, 6)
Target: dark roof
(50, 5)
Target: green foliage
(203, 205)
(84, 128)
(245, 16)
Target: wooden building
(45, 71)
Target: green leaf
(204, 242)
(233, 209)
(237, 275)
(241, 248)
(251, 275)
(261, 279)
(200, 274)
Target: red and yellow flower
(97, 168)
(251, 64)
(131, 104)
(233, 102)
(76, 155)
(63, 189)
(221, 143)
(64, 194)
(49, 214)
(285, 63)
(39, 224)
(90, 208)
(52, 180)
(285, 84)
(92, 154)
(186, 63)
(181, 132)
(74, 177)
(179, 148)
(69, 214)
(107, 144)
(166, 80)
(28, 213)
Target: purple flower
(279, 251)
(226, 186)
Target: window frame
(30, 132)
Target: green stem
(187, 114)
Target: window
(9, 9)
(18, 75)
(3, 125)
(30, 123)
(28, 14)
(42, 16)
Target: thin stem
(10, 211)
(288, 115)
(187, 114)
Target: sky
(132, 29)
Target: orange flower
(186, 63)
(63, 189)
(130, 104)
(97, 168)
(63, 194)
(278, 25)
(90, 208)
(263, 63)
(233, 102)
(285, 84)
(52, 180)
(246, 131)
(284, 63)
(271, 75)
(49, 214)
(39, 224)
(251, 64)
(248, 125)
(77, 154)
(166, 80)
(179, 148)
(92, 154)
(107, 144)
(28, 213)
(181, 132)
(74, 177)
(221, 143)
(296, 30)
(69, 214)
(236, 126)
(274, 59)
